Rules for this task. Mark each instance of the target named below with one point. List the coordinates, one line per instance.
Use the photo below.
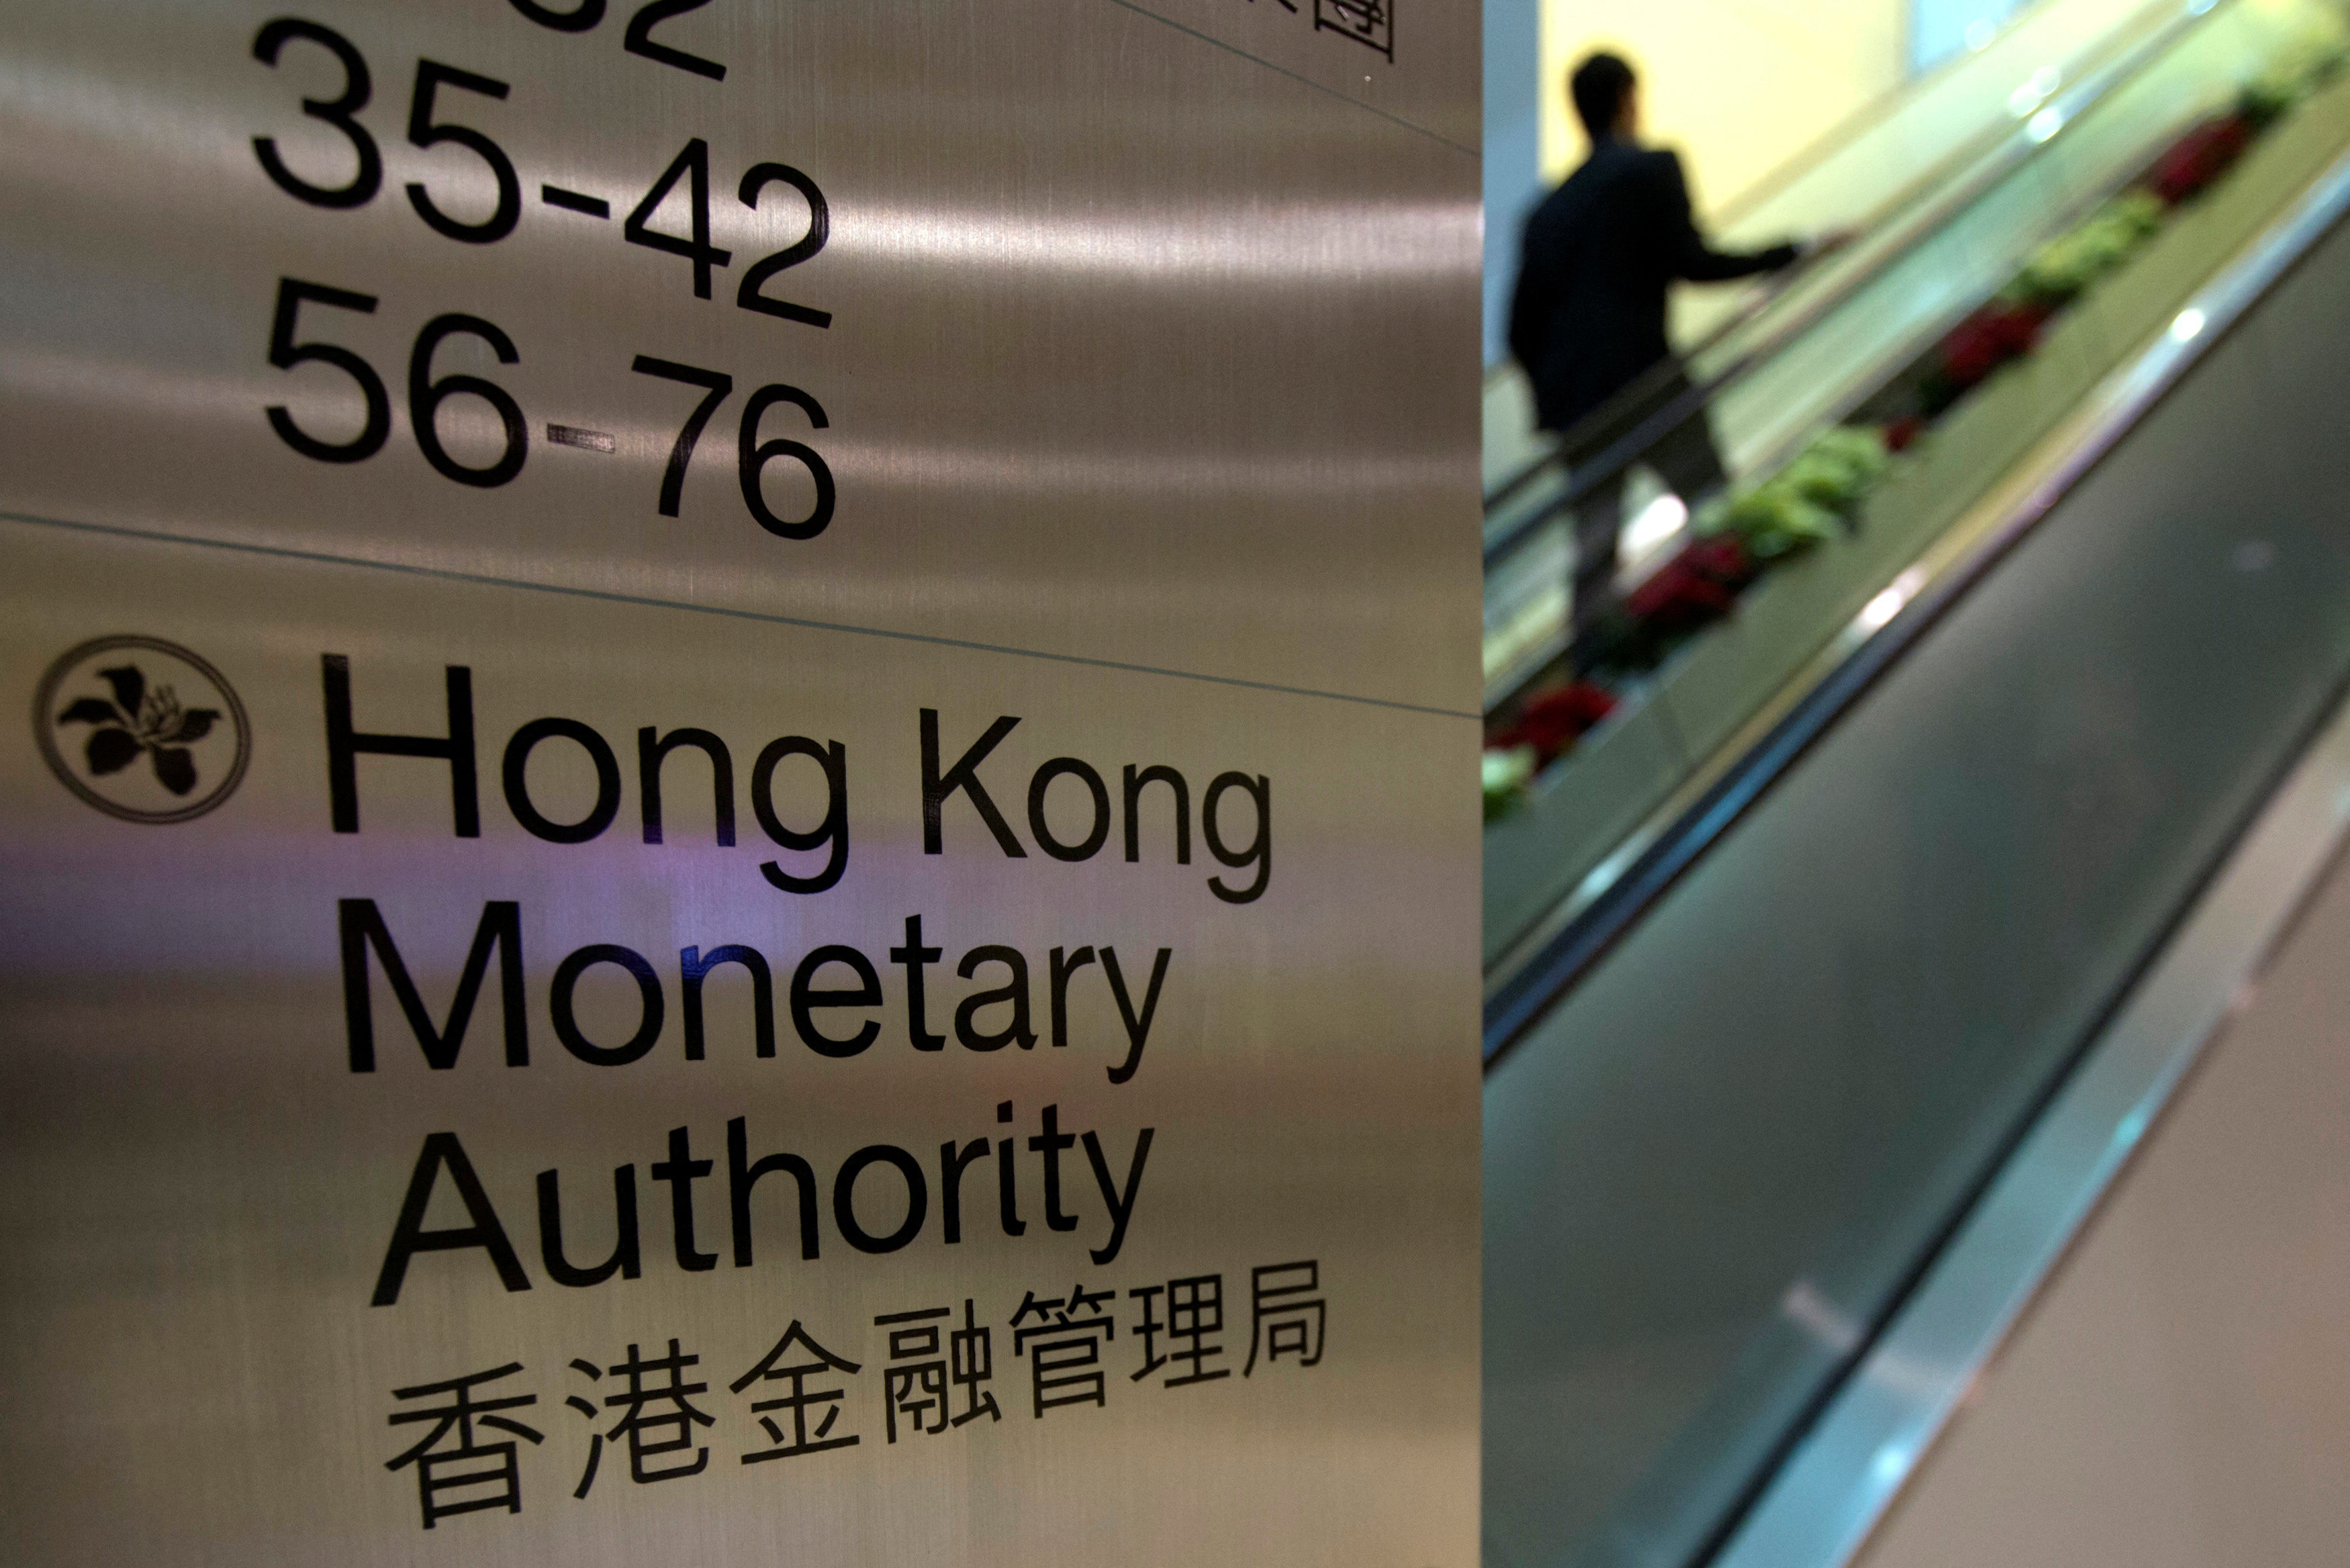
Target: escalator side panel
(2178, 1394)
(1802, 1059)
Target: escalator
(1792, 950)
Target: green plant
(2062, 270)
(1804, 502)
(1507, 774)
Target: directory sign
(742, 826)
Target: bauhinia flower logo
(141, 729)
(142, 719)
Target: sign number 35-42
(466, 452)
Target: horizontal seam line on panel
(1294, 76)
(645, 601)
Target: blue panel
(1513, 91)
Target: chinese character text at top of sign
(1367, 22)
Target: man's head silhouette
(1603, 86)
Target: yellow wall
(1739, 86)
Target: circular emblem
(141, 729)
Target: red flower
(1989, 339)
(1699, 585)
(1903, 432)
(2199, 157)
(1722, 559)
(1554, 721)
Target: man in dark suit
(1588, 317)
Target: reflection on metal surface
(1213, 247)
(741, 830)
(2035, 90)
(1879, 611)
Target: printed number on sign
(435, 120)
(425, 393)
(752, 455)
(423, 130)
(639, 39)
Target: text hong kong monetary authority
(831, 990)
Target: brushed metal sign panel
(738, 828)
(1407, 67)
(1122, 322)
(203, 1195)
